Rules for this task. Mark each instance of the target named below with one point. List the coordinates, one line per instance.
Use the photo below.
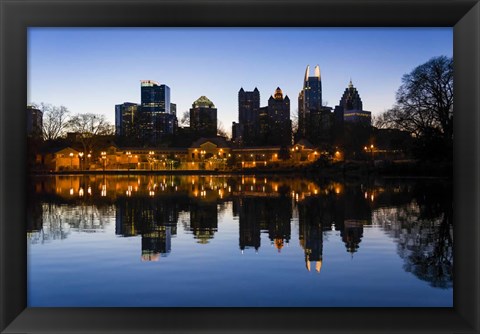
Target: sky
(90, 70)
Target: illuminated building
(350, 108)
(309, 98)
(125, 114)
(156, 119)
(203, 118)
(315, 121)
(279, 125)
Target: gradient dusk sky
(89, 70)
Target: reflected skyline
(155, 207)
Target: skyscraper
(125, 116)
(203, 118)
(309, 98)
(248, 106)
(34, 123)
(350, 108)
(155, 117)
(279, 124)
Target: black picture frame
(17, 16)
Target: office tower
(155, 116)
(279, 125)
(309, 99)
(203, 118)
(248, 108)
(125, 116)
(34, 123)
(350, 108)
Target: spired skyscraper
(315, 121)
(309, 99)
(350, 108)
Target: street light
(104, 158)
(129, 155)
(371, 150)
(88, 163)
(150, 159)
(71, 160)
(80, 155)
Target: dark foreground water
(238, 241)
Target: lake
(232, 240)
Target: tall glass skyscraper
(310, 98)
(155, 117)
(125, 116)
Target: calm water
(238, 241)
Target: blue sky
(92, 69)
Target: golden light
(71, 155)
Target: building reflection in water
(417, 216)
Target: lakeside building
(204, 154)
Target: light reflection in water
(416, 217)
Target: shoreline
(336, 173)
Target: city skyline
(104, 66)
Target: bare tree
(425, 100)
(382, 121)
(55, 120)
(90, 128)
(221, 130)
(185, 120)
(294, 118)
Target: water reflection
(417, 216)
